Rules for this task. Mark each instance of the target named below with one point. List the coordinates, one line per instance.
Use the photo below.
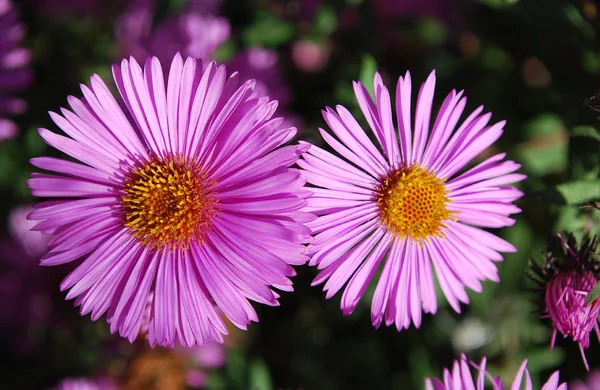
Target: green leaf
(260, 379)
(590, 60)
(576, 192)
(268, 31)
(225, 52)
(543, 125)
(586, 131)
(499, 4)
(368, 67)
(593, 294)
(325, 21)
(543, 159)
(496, 58)
(34, 144)
(431, 31)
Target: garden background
(530, 62)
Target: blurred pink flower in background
(310, 56)
(14, 75)
(24, 296)
(263, 65)
(592, 382)
(32, 242)
(204, 359)
(192, 32)
(196, 32)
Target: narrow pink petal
(422, 116)
(403, 108)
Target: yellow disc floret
(412, 203)
(167, 202)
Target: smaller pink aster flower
(567, 276)
(396, 205)
(14, 75)
(460, 378)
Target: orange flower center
(168, 202)
(412, 203)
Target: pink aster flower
(402, 205)
(460, 378)
(569, 273)
(191, 200)
(14, 75)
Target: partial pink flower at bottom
(84, 383)
(460, 378)
(565, 279)
(592, 382)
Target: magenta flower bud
(567, 277)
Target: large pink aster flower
(14, 75)
(460, 378)
(568, 274)
(191, 200)
(401, 204)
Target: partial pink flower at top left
(14, 74)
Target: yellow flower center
(168, 203)
(412, 203)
